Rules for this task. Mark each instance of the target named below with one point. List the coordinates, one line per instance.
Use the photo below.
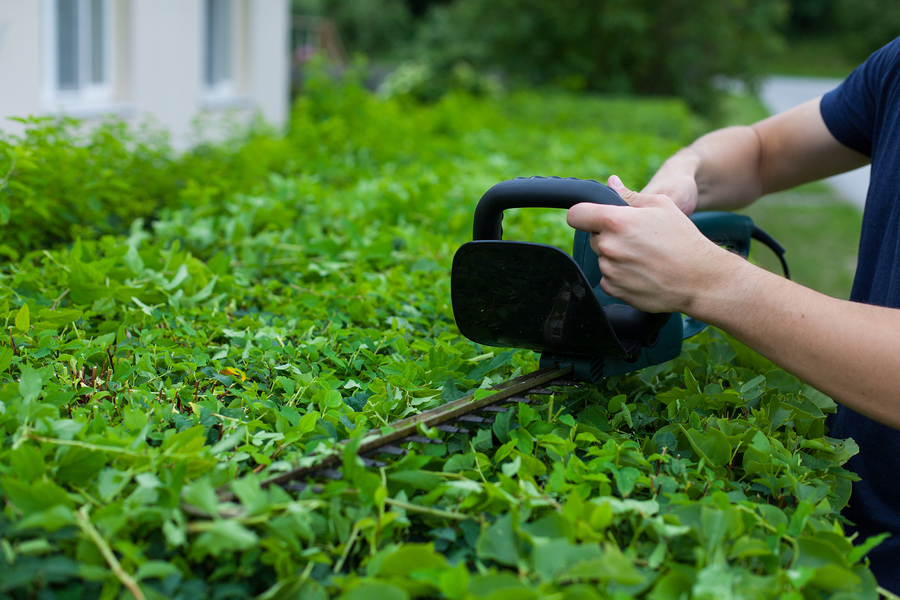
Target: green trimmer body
(537, 297)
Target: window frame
(224, 88)
(87, 93)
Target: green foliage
(866, 25)
(59, 183)
(671, 47)
(241, 333)
(373, 27)
(855, 27)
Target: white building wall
(269, 79)
(157, 65)
(167, 54)
(20, 61)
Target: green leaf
(691, 383)
(60, 316)
(27, 462)
(155, 569)
(30, 383)
(133, 261)
(712, 445)
(815, 553)
(35, 496)
(252, 496)
(6, 356)
(421, 480)
(616, 403)
(480, 394)
(501, 426)
(553, 557)
(626, 478)
(375, 590)
(864, 548)
(499, 542)
(450, 392)
(486, 367)
(409, 558)
(50, 520)
(484, 440)
(459, 462)
(225, 536)
(78, 464)
(202, 495)
(454, 582)
(23, 320)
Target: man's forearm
(732, 167)
(845, 349)
(653, 258)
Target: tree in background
(659, 47)
(857, 27)
(371, 27)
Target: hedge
(271, 297)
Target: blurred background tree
(376, 28)
(684, 48)
(657, 47)
(852, 28)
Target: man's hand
(677, 180)
(650, 254)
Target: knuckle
(607, 249)
(615, 221)
(607, 285)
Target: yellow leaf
(232, 372)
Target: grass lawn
(820, 232)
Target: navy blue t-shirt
(863, 113)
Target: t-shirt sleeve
(850, 110)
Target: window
(80, 69)
(218, 45)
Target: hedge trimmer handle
(535, 192)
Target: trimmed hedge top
(277, 295)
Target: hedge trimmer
(537, 297)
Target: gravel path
(781, 93)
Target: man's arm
(732, 167)
(653, 257)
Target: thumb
(624, 193)
(634, 198)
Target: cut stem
(84, 523)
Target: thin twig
(61, 296)
(86, 445)
(84, 523)
(347, 548)
(427, 510)
(5, 180)
(887, 594)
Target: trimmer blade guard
(533, 296)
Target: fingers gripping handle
(535, 192)
(634, 328)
